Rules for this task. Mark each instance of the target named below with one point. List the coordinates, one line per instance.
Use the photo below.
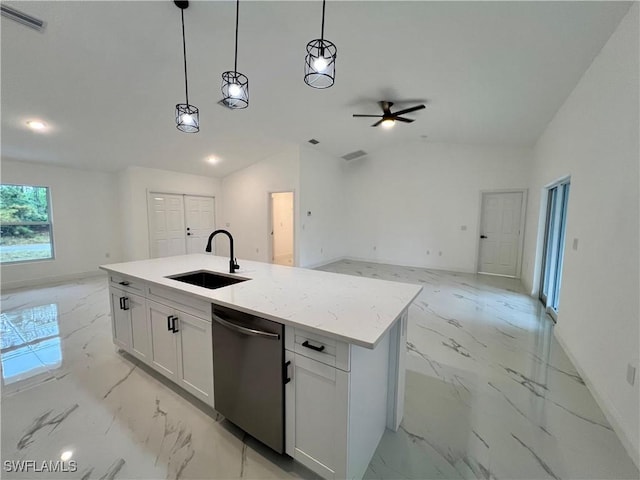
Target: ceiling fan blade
(386, 107)
(373, 116)
(378, 122)
(408, 110)
(405, 120)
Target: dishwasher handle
(245, 330)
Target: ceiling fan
(388, 119)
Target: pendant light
(235, 85)
(320, 62)
(187, 116)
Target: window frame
(49, 223)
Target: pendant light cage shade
(187, 118)
(235, 90)
(320, 63)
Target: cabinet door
(120, 319)
(321, 405)
(139, 327)
(195, 366)
(164, 343)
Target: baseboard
(400, 264)
(609, 410)
(37, 282)
(324, 262)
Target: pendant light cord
(184, 52)
(322, 31)
(235, 63)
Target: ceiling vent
(313, 141)
(354, 155)
(23, 18)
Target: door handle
(483, 236)
(285, 372)
(312, 347)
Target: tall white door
(500, 233)
(199, 221)
(166, 225)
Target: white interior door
(200, 222)
(166, 225)
(500, 233)
(282, 228)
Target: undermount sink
(206, 279)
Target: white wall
(135, 182)
(85, 208)
(594, 138)
(415, 197)
(323, 234)
(245, 205)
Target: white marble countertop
(354, 309)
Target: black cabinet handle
(125, 303)
(483, 236)
(174, 328)
(121, 304)
(125, 283)
(169, 322)
(285, 371)
(313, 347)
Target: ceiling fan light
(388, 123)
(187, 118)
(235, 90)
(320, 64)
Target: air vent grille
(354, 155)
(313, 141)
(23, 18)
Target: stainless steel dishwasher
(249, 374)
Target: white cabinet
(164, 346)
(129, 326)
(320, 420)
(336, 403)
(181, 349)
(167, 330)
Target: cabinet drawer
(187, 303)
(319, 347)
(126, 284)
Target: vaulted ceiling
(105, 76)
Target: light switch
(463, 227)
(575, 244)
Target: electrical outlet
(257, 250)
(439, 254)
(463, 227)
(227, 224)
(107, 255)
(375, 248)
(631, 374)
(575, 244)
(322, 250)
(428, 252)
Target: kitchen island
(344, 345)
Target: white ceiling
(105, 76)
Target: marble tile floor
(489, 394)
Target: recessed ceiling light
(36, 125)
(213, 160)
(66, 455)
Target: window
(25, 223)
